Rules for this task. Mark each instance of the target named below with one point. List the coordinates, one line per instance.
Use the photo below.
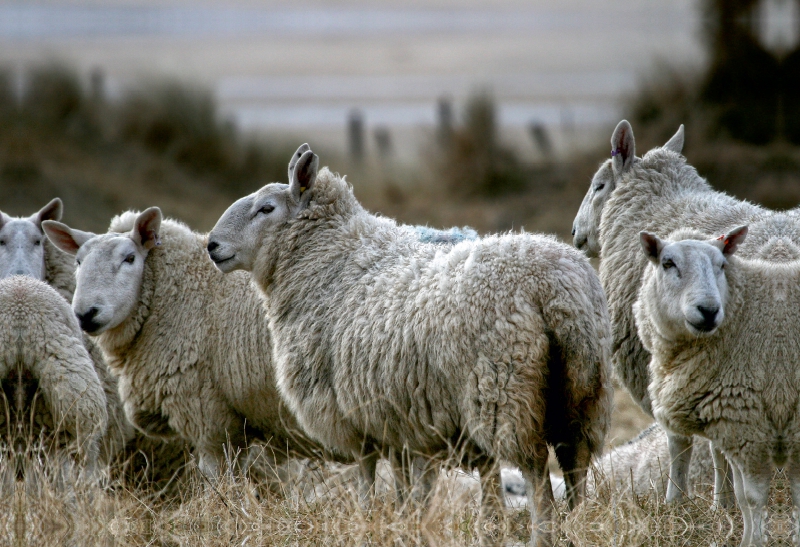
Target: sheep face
(686, 291)
(586, 227)
(22, 242)
(251, 221)
(109, 269)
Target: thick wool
(41, 344)
(739, 386)
(661, 193)
(382, 340)
(194, 358)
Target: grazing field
(167, 148)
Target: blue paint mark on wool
(453, 235)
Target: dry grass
(320, 506)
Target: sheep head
(109, 268)
(686, 291)
(22, 242)
(248, 224)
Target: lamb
(191, 352)
(383, 341)
(660, 192)
(24, 250)
(723, 365)
(642, 463)
(41, 347)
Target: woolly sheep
(24, 250)
(189, 346)
(723, 365)
(41, 348)
(642, 463)
(660, 192)
(380, 340)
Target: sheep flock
(305, 333)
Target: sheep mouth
(219, 261)
(700, 329)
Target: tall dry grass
(320, 507)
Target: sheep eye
(266, 209)
(78, 262)
(599, 187)
(2, 243)
(37, 242)
(130, 258)
(667, 264)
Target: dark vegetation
(165, 143)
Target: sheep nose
(86, 319)
(212, 245)
(573, 231)
(709, 314)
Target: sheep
(24, 250)
(190, 347)
(41, 348)
(660, 192)
(380, 340)
(642, 463)
(723, 357)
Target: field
(168, 148)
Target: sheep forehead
(693, 253)
(104, 248)
(274, 189)
(604, 174)
(20, 228)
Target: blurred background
(492, 114)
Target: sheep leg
(366, 485)
(403, 474)
(208, 464)
(724, 497)
(738, 488)
(540, 498)
(574, 461)
(752, 493)
(429, 473)
(415, 477)
(492, 497)
(680, 456)
(794, 480)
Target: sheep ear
(51, 211)
(651, 245)
(297, 155)
(146, 227)
(729, 242)
(623, 147)
(675, 143)
(64, 237)
(303, 176)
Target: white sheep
(660, 192)
(642, 464)
(190, 346)
(41, 349)
(380, 340)
(24, 250)
(724, 357)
